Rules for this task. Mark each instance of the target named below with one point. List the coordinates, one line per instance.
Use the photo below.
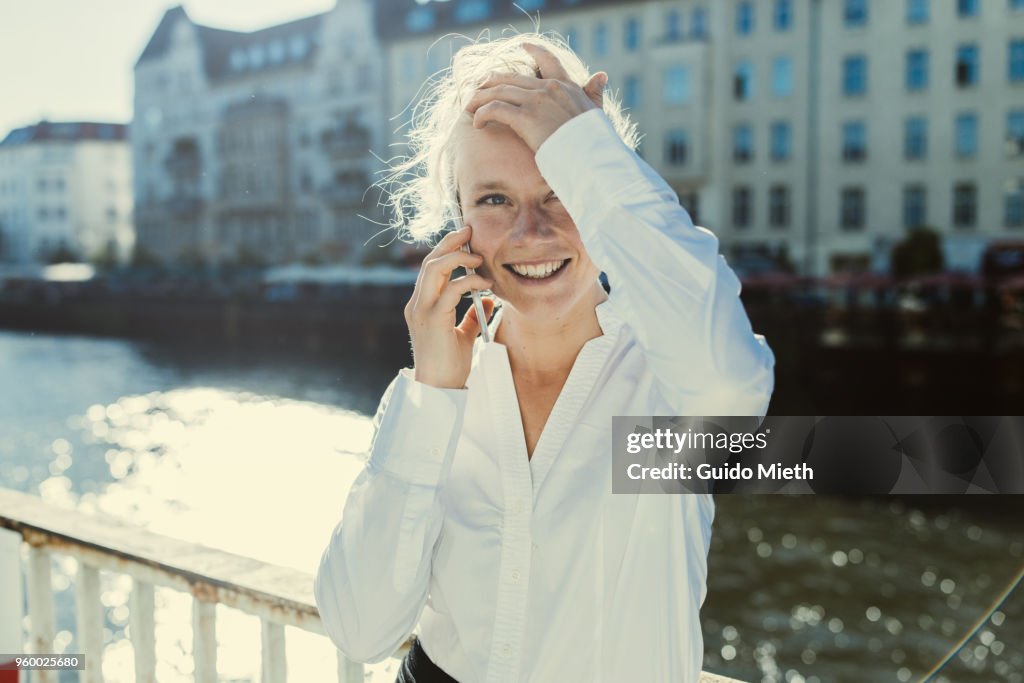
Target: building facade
(821, 130)
(256, 147)
(65, 192)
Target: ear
(594, 88)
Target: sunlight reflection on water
(205, 465)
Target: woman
(485, 512)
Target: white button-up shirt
(530, 569)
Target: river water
(253, 452)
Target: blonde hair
(421, 193)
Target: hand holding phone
(442, 347)
(478, 303)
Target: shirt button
(435, 451)
(518, 507)
(516, 575)
(506, 650)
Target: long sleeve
(374, 575)
(668, 281)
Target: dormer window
(276, 51)
(298, 46)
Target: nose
(530, 223)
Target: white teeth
(538, 271)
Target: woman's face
(531, 248)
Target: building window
(915, 138)
(676, 89)
(469, 11)
(778, 206)
(1016, 61)
(1016, 4)
(968, 8)
(673, 26)
(855, 76)
(780, 143)
(917, 11)
(855, 141)
(631, 92)
(699, 23)
(743, 143)
(745, 18)
(676, 144)
(1015, 133)
(965, 205)
(967, 65)
(743, 81)
(783, 15)
(41, 184)
(851, 208)
(966, 135)
(59, 213)
(631, 36)
(601, 39)
(42, 214)
(917, 69)
(915, 206)
(782, 77)
(418, 19)
(742, 207)
(1013, 203)
(855, 13)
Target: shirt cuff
(416, 430)
(591, 141)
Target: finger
(547, 63)
(524, 82)
(512, 94)
(438, 272)
(498, 112)
(444, 265)
(470, 325)
(451, 242)
(458, 288)
(594, 88)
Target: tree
(63, 254)
(919, 252)
(105, 258)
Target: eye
(492, 200)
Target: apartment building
(65, 192)
(821, 130)
(256, 146)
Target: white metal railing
(279, 596)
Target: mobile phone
(478, 303)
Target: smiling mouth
(537, 271)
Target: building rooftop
(68, 131)
(397, 19)
(228, 53)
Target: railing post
(275, 666)
(89, 614)
(204, 640)
(143, 630)
(40, 608)
(349, 672)
(12, 605)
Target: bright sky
(73, 59)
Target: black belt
(417, 667)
